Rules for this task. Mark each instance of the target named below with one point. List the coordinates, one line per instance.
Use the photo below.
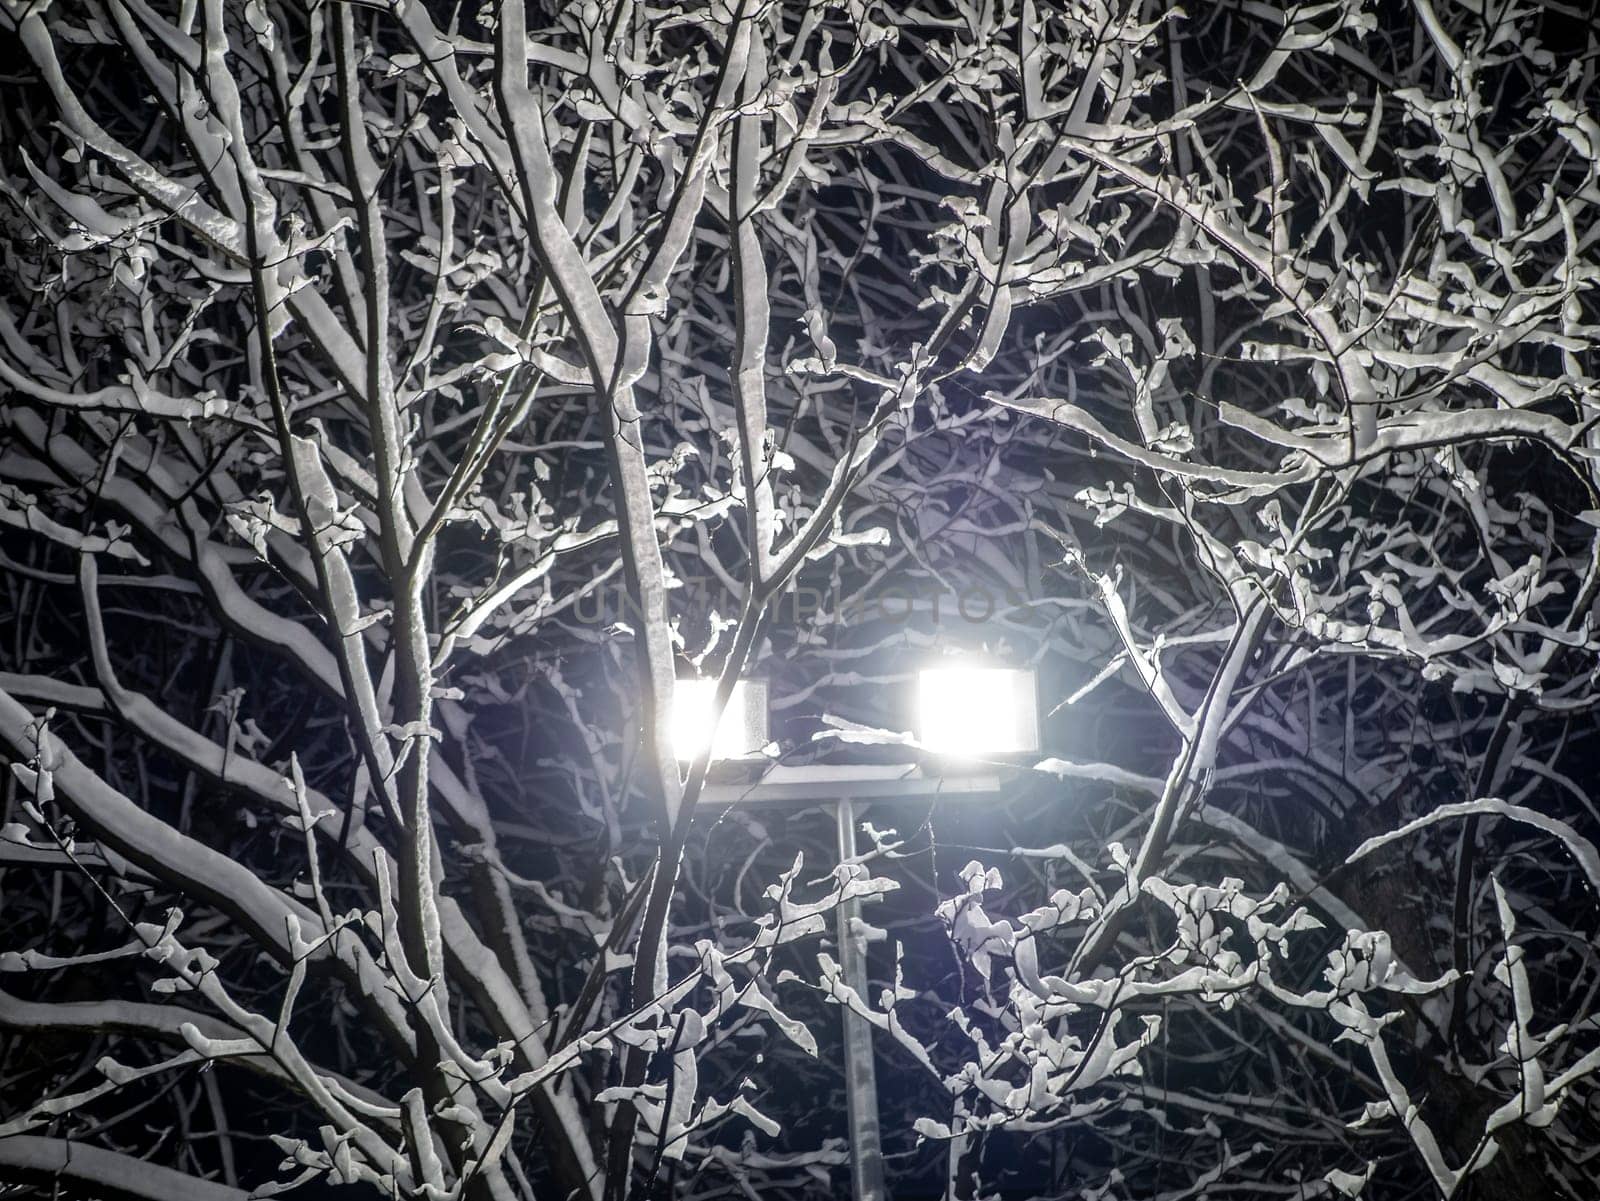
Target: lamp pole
(843, 786)
(860, 1075)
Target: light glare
(967, 711)
(740, 733)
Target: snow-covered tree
(398, 397)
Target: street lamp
(965, 710)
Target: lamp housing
(969, 710)
(741, 732)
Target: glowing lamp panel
(968, 711)
(741, 733)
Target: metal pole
(860, 1077)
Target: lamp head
(741, 732)
(972, 710)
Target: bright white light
(969, 710)
(742, 732)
